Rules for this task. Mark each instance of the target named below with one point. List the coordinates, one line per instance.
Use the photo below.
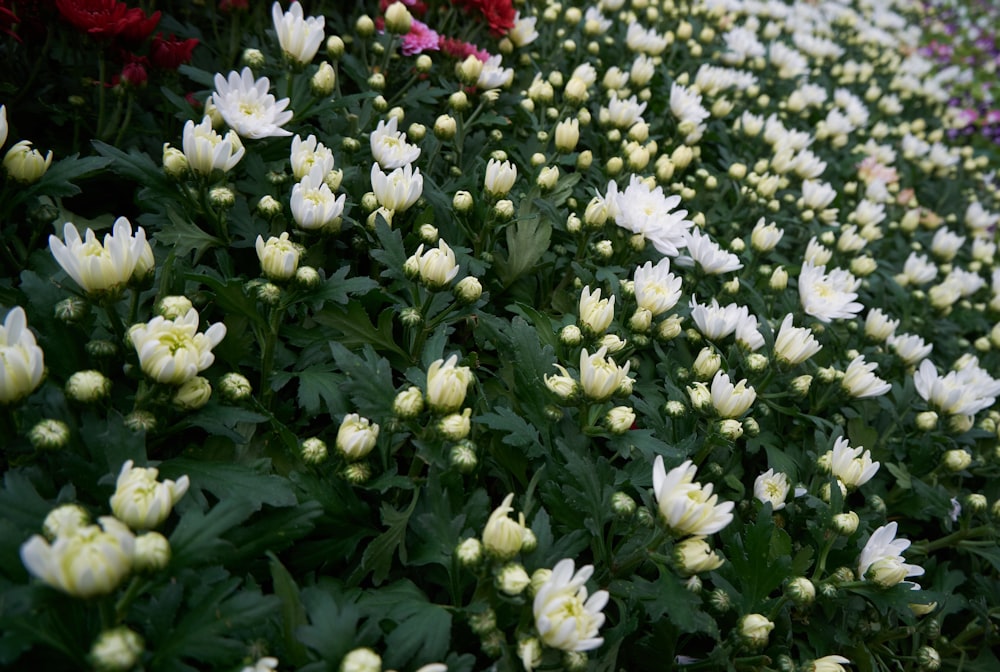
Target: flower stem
(267, 354)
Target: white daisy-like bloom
(493, 75)
(860, 382)
(642, 70)
(586, 73)
(765, 237)
(206, 150)
(788, 62)
(980, 220)
(852, 466)
(600, 24)
(523, 33)
(917, 270)
(647, 41)
(780, 136)
(817, 195)
(712, 259)
(771, 487)
(816, 253)
(741, 44)
(172, 351)
(731, 401)
(623, 114)
(881, 559)
(248, 108)
(747, 332)
(794, 345)
(22, 362)
(389, 146)
(712, 80)
(499, 178)
(879, 326)
(967, 282)
(565, 617)
(828, 296)
(715, 322)
(913, 147)
(299, 36)
(98, 267)
(596, 313)
(965, 391)
(945, 244)
(656, 289)
(309, 153)
(313, 205)
(685, 105)
(688, 508)
(983, 250)
(398, 190)
(600, 376)
(641, 209)
(910, 347)
(808, 165)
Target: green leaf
(319, 383)
(423, 631)
(250, 483)
(338, 287)
(58, 179)
(198, 539)
(184, 236)
(231, 296)
(379, 553)
(861, 434)
(517, 431)
(754, 560)
(527, 240)
(226, 421)
(136, 166)
(900, 473)
(353, 327)
(293, 613)
(333, 622)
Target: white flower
(99, 268)
(714, 321)
(279, 257)
(398, 190)
(389, 146)
(688, 507)
(694, 556)
(852, 466)
(447, 384)
(772, 487)
(647, 211)
(600, 376)
(685, 105)
(765, 237)
(523, 33)
(712, 259)
(624, 113)
(171, 351)
(356, 436)
(656, 288)
(87, 562)
(596, 313)
(860, 382)
(565, 617)
(313, 204)
(829, 664)
(881, 559)
(300, 37)
(946, 244)
(22, 359)
(910, 347)
(265, 664)
(963, 392)
(24, 164)
(647, 41)
(878, 325)
(437, 266)
(817, 195)
(308, 154)
(828, 296)
(918, 269)
(503, 536)
(794, 345)
(142, 502)
(500, 177)
(731, 401)
(248, 108)
(493, 75)
(3, 124)
(206, 150)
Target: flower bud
(779, 279)
(622, 505)
(463, 457)
(116, 650)
(695, 556)
(504, 209)
(192, 394)
(175, 164)
(846, 523)
(730, 429)
(455, 426)
(801, 384)
(64, 520)
(152, 552)
(362, 659)
(800, 591)
(512, 579)
(221, 197)
(707, 363)
(71, 310)
(619, 419)
(408, 403)
(357, 472)
(49, 435)
(356, 437)
(502, 535)
(87, 386)
(324, 80)
(398, 19)
(928, 659)
(462, 201)
(669, 329)
(976, 503)
(140, 421)
(957, 460)
(720, 601)
(24, 164)
(445, 127)
(754, 630)
(253, 58)
(469, 552)
(313, 450)
(468, 290)
(335, 46)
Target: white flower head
(688, 508)
(860, 382)
(881, 559)
(313, 204)
(596, 313)
(389, 146)
(207, 151)
(22, 360)
(398, 190)
(308, 154)
(828, 296)
(656, 288)
(279, 257)
(963, 392)
(794, 345)
(731, 401)
(437, 266)
(172, 351)
(500, 177)
(852, 466)
(642, 209)
(142, 502)
(600, 377)
(715, 322)
(356, 436)
(565, 617)
(98, 267)
(299, 36)
(772, 487)
(447, 384)
(248, 108)
(712, 259)
(909, 347)
(493, 75)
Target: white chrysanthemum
(852, 466)
(248, 108)
(688, 508)
(685, 105)
(437, 266)
(715, 322)
(881, 559)
(979, 220)
(447, 384)
(596, 313)
(565, 617)
(96, 267)
(398, 190)
(771, 487)
(22, 359)
(963, 392)
(600, 376)
(172, 351)
(647, 211)
(794, 345)
(878, 325)
(910, 347)
(142, 502)
(493, 75)
(647, 41)
(765, 237)
(312, 203)
(918, 269)
(308, 154)
(860, 382)
(656, 289)
(299, 36)
(624, 113)
(828, 296)
(389, 146)
(731, 401)
(817, 195)
(206, 150)
(816, 253)
(712, 259)
(747, 332)
(279, 257)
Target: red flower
(7, 20)
(134, 75)
(169, 53)
(461, 50)
(499, 14)
(108, 19)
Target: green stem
(135, 587)
(126, 121)
(821, 563)
(267, 354)
(115, 321)
(928, 547)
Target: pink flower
(420, 39)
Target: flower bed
(468, 335)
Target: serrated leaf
(184, 237)
(369, 379)
(197, 538)
(422, 638)
(338, 287)
(57, 182)
(293, 613)
(234, 481)
(380, 552)
(315, 384)
(225, 421)
(231, 296)
(332, 623)
(354, 328)
(517, 431)
(750, 554)
(527, 240)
